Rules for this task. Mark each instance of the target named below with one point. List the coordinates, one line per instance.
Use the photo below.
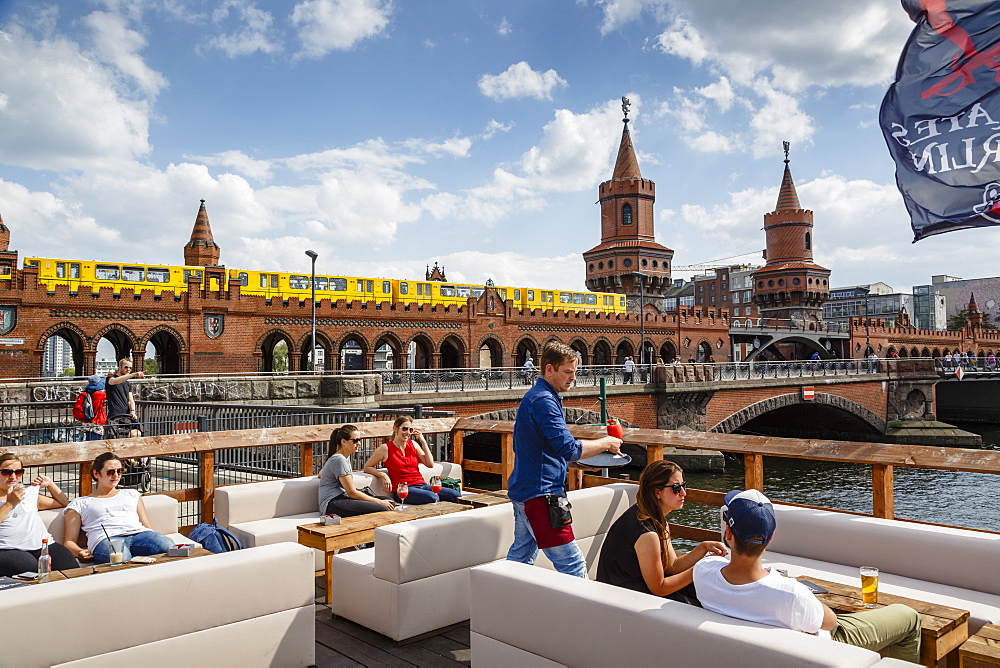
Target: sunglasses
(10, 472)
(112, 472)
(677, 487)
(406, 428)
(352, 440)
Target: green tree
(280, 357)
(958, 322)
(150, 366)
(68, 371)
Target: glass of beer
(869, 586)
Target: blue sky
(391, 135)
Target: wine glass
(436, 486)
(402, 491)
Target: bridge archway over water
(788, 413)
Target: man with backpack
(91, 409)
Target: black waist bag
(559, 510)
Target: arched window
(808, 241)
(627, 214)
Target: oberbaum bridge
(467, 358)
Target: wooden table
(982, 649)
(483, 499)
(358, 530)
(96, 569)
(942, 628)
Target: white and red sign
(808, 393)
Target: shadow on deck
(340, 642)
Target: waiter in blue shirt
(543, 451)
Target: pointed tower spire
(973, 316)
(973, 306)
(201, 250)
(626, 166)
(788, 199)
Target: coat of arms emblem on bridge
(8, 318)
(215, 324)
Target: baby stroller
(137, 473)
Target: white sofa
(244, 608)
(161, 511)
(263, 513)
(535, 618)
(947, 566)
(416, 578)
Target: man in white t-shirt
(741, 587)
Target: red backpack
(89, 407)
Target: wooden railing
(206, 444)
(883, 458)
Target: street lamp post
(642, 318)
(312, 284)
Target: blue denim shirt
(542, 445)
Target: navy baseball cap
(750, 516)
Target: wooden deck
(340, 642)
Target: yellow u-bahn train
(82, 275)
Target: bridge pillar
(911, 389)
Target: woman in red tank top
(402, 457)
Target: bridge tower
(628, 260)
(201, 250)
(790, 288)
(8, 258)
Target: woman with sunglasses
(637, 553)
(402, 456)
(337, 493)
(21, 528)
(110, 512)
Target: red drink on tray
(614, 429)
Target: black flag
(941, 117)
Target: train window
(321, 283)
(106, 272)
(157, 275)
(31, 263)
(591, 299)
(298, 282)
(263, 280)
(242, 278)
(420, 288)
(133, 273)
(74, 270)
(565, 298)
(404, 288)
(369, 286)
(386, 289)
(531, 295)
(503, 293)
(517, 294)
(191, 273)
(463, 290)
(578, 297)
(447, 290)
(477, 292)
(274, 280)
(621, 301)
(4, 270)
(338, 284)
(60, 270)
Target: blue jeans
(421, 494)
(137, 545)
(91, 436)
(566, 558)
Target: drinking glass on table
(436, 486)
(402, 491)
(869, 586)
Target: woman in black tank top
(637, 553)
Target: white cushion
(581, 622)
(917, 551)
(155, 603)
(236, 504)
(161, 510)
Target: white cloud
(258, 170)
(52, 90)
(505, 27)
(456, 146)
(519, 80)
(778, 119)
(328, 25)
(119, 46)
(619, 12)
(253, 31)
(493, 127)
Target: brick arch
(391, 339)
(181, 343)
(266, 357)
(424, 350)
(580, 345)
(496, 350)
(603, 351)
(741, 417)
(119, 336)
(84, 340)
(525, 342)
(271, 332)
(461, 353)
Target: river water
(946, 497)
